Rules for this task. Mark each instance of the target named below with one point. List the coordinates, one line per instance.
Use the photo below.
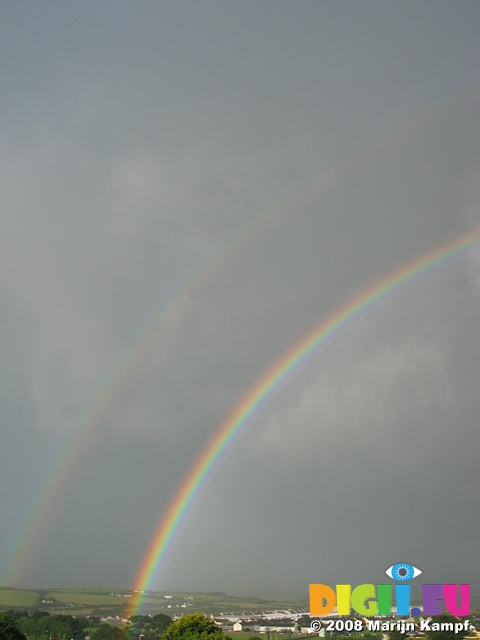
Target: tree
(397, 635)
(445, 634)
(37, 615)
(41, 625)
(305, 620)
(8, 628)
(160, 622)
(194, 626)
(152, 628)
(106, 632)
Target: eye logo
(402, 572)
(376, 600)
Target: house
(237, 626)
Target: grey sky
(137, 140)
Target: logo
(377, 600)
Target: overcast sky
(319, 146)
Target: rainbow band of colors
(260, 392)
(38, 512)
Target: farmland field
(17, 598)
(113, 602)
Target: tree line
(196, 626)
(43, 626)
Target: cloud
(362, 403)
(136, 145)
(469, 201)
(94, 246)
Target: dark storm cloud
(137, 142)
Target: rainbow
(39, 510)
(261, 391)
(42, 503)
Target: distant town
(102, 614)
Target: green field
(17, 598)
(114, 601)
(90, 597)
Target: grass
(86, 597)
(113, 601)
(17, 598)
